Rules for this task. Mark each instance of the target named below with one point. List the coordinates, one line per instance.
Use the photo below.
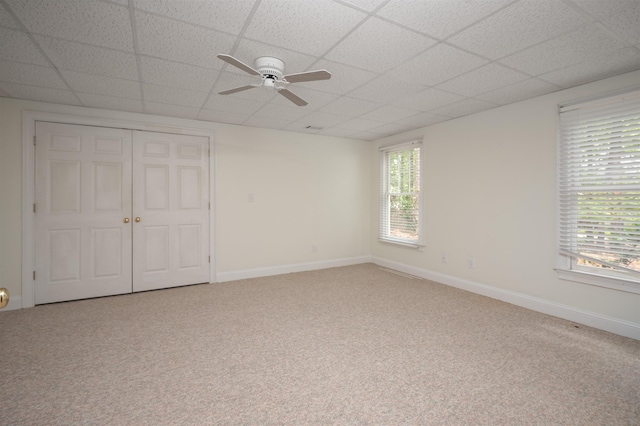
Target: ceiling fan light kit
(270, 67)
(271, 72)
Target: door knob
(138, 219)
(126, 220)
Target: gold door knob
(138, 219)
(4, 297)
(126, 220)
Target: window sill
(599, 280)
(408, 244)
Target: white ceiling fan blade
(237, 89)
(292, 97)
(238, 64)
(308, 76)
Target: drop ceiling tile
(389, 114)
(422, 120)
(368, 5)
(363, 48)
(222, 116)
(42, 94)
(173, 96)
(519, 26)
(562, 51)
(6, 20)
(439, 18)
(626, 24)
(174, 74)
(315, 98)
(344, 78)
(87, 21)
(350, 107)
(232, 104)
(360, 124)
(171, 110)
(484, 79)
(89, 59)
(322, 119)
(464, 107)
(101, 85)
(428, 99)
(526, 89)
(300, 128)
(267, 122)
(337, 132)
(386, 90)
(16, 46)
(92, 100)
(180, 42)
(248, 50)
(298, 26)
(438, 64)
(392, 129)
(3, 93)
(282, 112)
(366, 136)
(619, 62)
(222, 15)
(31, 75)
(388, 75)
(602, 9)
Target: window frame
(383, 216)
(567, 266)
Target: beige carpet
(354, 345)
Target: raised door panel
(83, 193)
(171, 198)
(64, 249)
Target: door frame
(164, 125)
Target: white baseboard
(14, 303)
(287, 269)
(591, 319)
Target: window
(400, 201)
(599, 191)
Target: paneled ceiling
(396, 64)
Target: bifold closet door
(170, 210)
(83, 226)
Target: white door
(170, 210)
(118, 211)
(83, 195)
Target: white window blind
(400, 201)
(599, 186)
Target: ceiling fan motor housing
(269, 67)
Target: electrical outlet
(443, 257)
(471, 263)
(250, 197)
(314, 248)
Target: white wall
(490, 194)
(308, 190)
(10, 198)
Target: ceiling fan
(271, 73)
